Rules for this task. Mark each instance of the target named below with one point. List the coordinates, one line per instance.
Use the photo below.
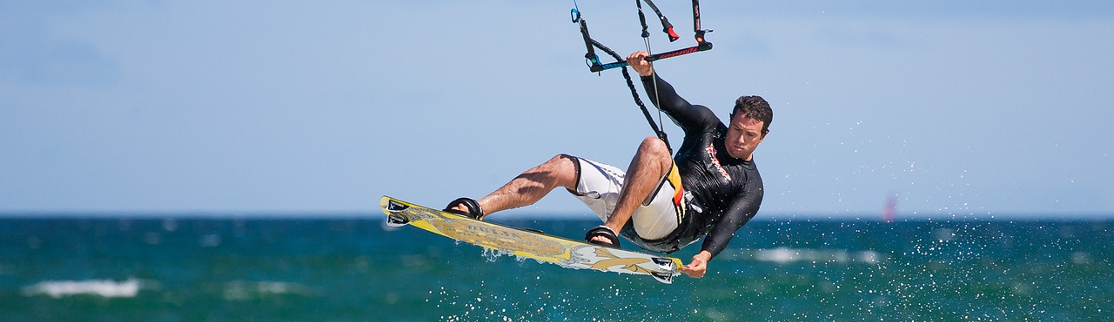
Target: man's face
(743, 136)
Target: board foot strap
(604, 231)
(474, 210)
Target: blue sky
(993, 108)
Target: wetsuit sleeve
(687, 116)
(741, 211)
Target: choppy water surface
(356, 270)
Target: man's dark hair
(756, 108)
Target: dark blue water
(355, 270)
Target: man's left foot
(605, 232)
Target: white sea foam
(242, 290)
(944, 234)
(783, 255)
(106, 288)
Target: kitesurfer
(710, 188)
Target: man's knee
(562, 161)
(654, 146)
(563, 169)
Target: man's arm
(741, 211)
(665, 97)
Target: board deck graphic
(529, 244)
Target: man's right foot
(467, 207)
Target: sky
(956, 108)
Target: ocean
(353, 269)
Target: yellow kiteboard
(529, 244)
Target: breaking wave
(244, 290)
(105, 288)
(784, 255)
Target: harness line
(595, 66)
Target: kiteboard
(530, 244)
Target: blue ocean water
(347, 269)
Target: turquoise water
(356, 270)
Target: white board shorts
(598, 186)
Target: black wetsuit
(726, 192)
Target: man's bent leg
(650, 164)
(530, 186)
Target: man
(711, 188)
